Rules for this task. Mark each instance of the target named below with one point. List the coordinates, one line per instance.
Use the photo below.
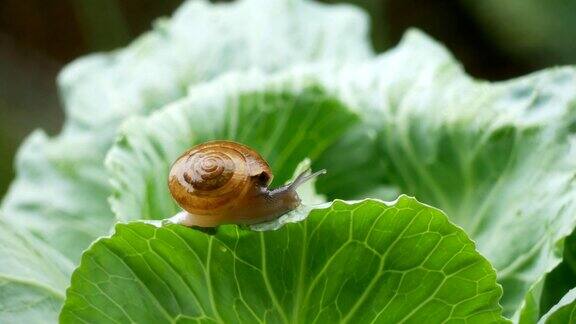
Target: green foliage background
(38, 39)
(497, 158)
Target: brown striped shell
(217, 177)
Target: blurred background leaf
(493, 39)
(532, 31)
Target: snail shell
(223, 182)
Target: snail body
(224, 182)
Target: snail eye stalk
(304, 177)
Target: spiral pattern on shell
(208, 171)
(212, 176)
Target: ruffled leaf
(349, 262)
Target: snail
(224, 182)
